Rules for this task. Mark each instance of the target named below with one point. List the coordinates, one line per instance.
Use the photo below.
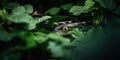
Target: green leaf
(28, 8)
(57, 45)
(28, 38)
(55, 49)
(5, 36)
(98, 19)
(3, 13)
(20, 15)
(22, 9)
(108, 4)
(18, 10)
(88, 5)
(66, 6)
(53, 11)
(76, 33)
(95, 33)
(23, 18)
(89, 44)
(65, 41)
(40, 37)
(43, 18)
(77, 10)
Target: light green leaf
(23, 18)
(89, 4)
(28, 8)
(56, 46)
(43, 18)
(77, 10)
(27, 19)
(53, 11)
(64, 41)
(76, 33)
(20, 15)
(40, 37)
(55, 49)
(18, 10)
(22, 9)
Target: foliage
(108, 4)
(66, 6)
(21, 15)
(27, 30)
(53, 11)
(77, 10)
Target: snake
(64, 27)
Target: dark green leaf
(53, 11)
(5, 36)
(66, 6)
(117, 10)
(11, 5)
(9, 55)
(59, 17)
(28, 38)
(98, 19)
(88, 44)
(108, 4)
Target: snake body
(63, 28)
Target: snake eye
(66, 28)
